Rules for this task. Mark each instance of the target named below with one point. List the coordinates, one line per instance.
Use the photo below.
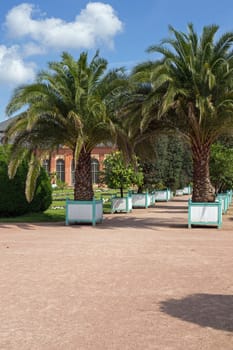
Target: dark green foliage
(221, 167)
(150, 175)
(12, 192)
(172, 167)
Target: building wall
(99, 153)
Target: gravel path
(138, 281)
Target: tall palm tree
(135, 136)
(192, 87)
(67, 105)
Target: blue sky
(36, 32)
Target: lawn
(56, 211)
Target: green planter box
(78, 212)
(121, 204)
(180, 192)
(163, 195)
(187, 190)
(152, 198)
(224, 199)
(142, 200)
(209, 214)
(230, 196)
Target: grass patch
(48, 216)
(56, 212)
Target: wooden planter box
(142, 200)
(163, 195)
(78, 212)
(121, 204)
(204, 213)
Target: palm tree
(67, 105)
(136, 136)
(192, 87)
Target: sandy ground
(137, 281)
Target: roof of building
(4, 124)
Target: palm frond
(78, 146)
(32, 176)
(17, 156)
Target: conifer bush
(12, 191)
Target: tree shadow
(206, 310)
(130, 220)
(30, 226)
(172, 207)
(110, 222)
(121, 220)
(174, 211)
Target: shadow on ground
(30, 225)
(112, 221)
(206, 310)
(170, 208)
(150, 218)
(121, 220)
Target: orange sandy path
(138, 281)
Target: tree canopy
(69, 104)
(121, 175)
(77, 103)
(192, 90)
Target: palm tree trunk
(203, 191)
(83, 189)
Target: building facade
(60, 164)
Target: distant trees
(172, 167)
(221, 167)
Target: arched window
(94, 170)
(46, 165)
(60, 170)
(72, 172)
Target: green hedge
(12, 192)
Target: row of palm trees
(77, 103)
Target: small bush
(12, 191)
(120, 175)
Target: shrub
(119, 175)
(12, 199)
(221, 169)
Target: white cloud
(36, 34)
(13, 70)
(97, 23)
(31, 49)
